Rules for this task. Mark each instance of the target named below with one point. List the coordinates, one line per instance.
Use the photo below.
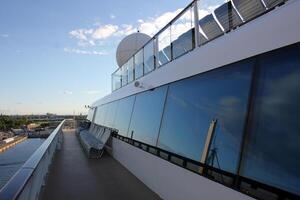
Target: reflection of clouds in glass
(229, 101)
(193, 103)
(279, 111)
(183, 24)
(284, 92)
(272, 151)
(180, 101)
(164, 39)
(230, 112)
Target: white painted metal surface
(168, 180)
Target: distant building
(32, 126)
(18, 131)
(5, 135)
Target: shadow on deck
(74, 176)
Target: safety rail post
(196, 18)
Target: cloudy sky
(57, 56)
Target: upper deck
(227, 33)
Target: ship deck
(73, 176)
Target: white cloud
(93, 37)
(150, 26)
(88, 37)
(105, 31)
(126, 29)
(79, 51)
(91, 92)
(81, 34)
(153, 25)
(4, 35)
(67, 92)
(112, 16)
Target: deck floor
(74, 176)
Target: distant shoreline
(17, 140)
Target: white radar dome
(129, 45)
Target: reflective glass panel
(111, 112)
(193, 103)
(130, 67)
(124, 70)
(99, 115)
(164, 46)
(272, 153)
(138, 63)
(116, 79)
(182, 33)
(149, 57)
(93, 114)
(146, 115)
(103, 114)
(123, 115)
(90, 114)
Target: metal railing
(195, 26)
(29, 179)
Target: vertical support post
(196, 25)
(133, 67)
(94, 113)
(59, 139)
(156, 52)
(112, 82)
(209, 137)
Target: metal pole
(196, 25)
(209, 137)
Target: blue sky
(57, 56)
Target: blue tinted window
(99, 115)
(123, 115)
(272, 153)
(193, 103)
(110, 114)
(91, 114)
(104, 114)
(147, 115)
(107, 113)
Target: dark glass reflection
(193, 103)
(147, 115)
(272, 154)
(123, 115)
